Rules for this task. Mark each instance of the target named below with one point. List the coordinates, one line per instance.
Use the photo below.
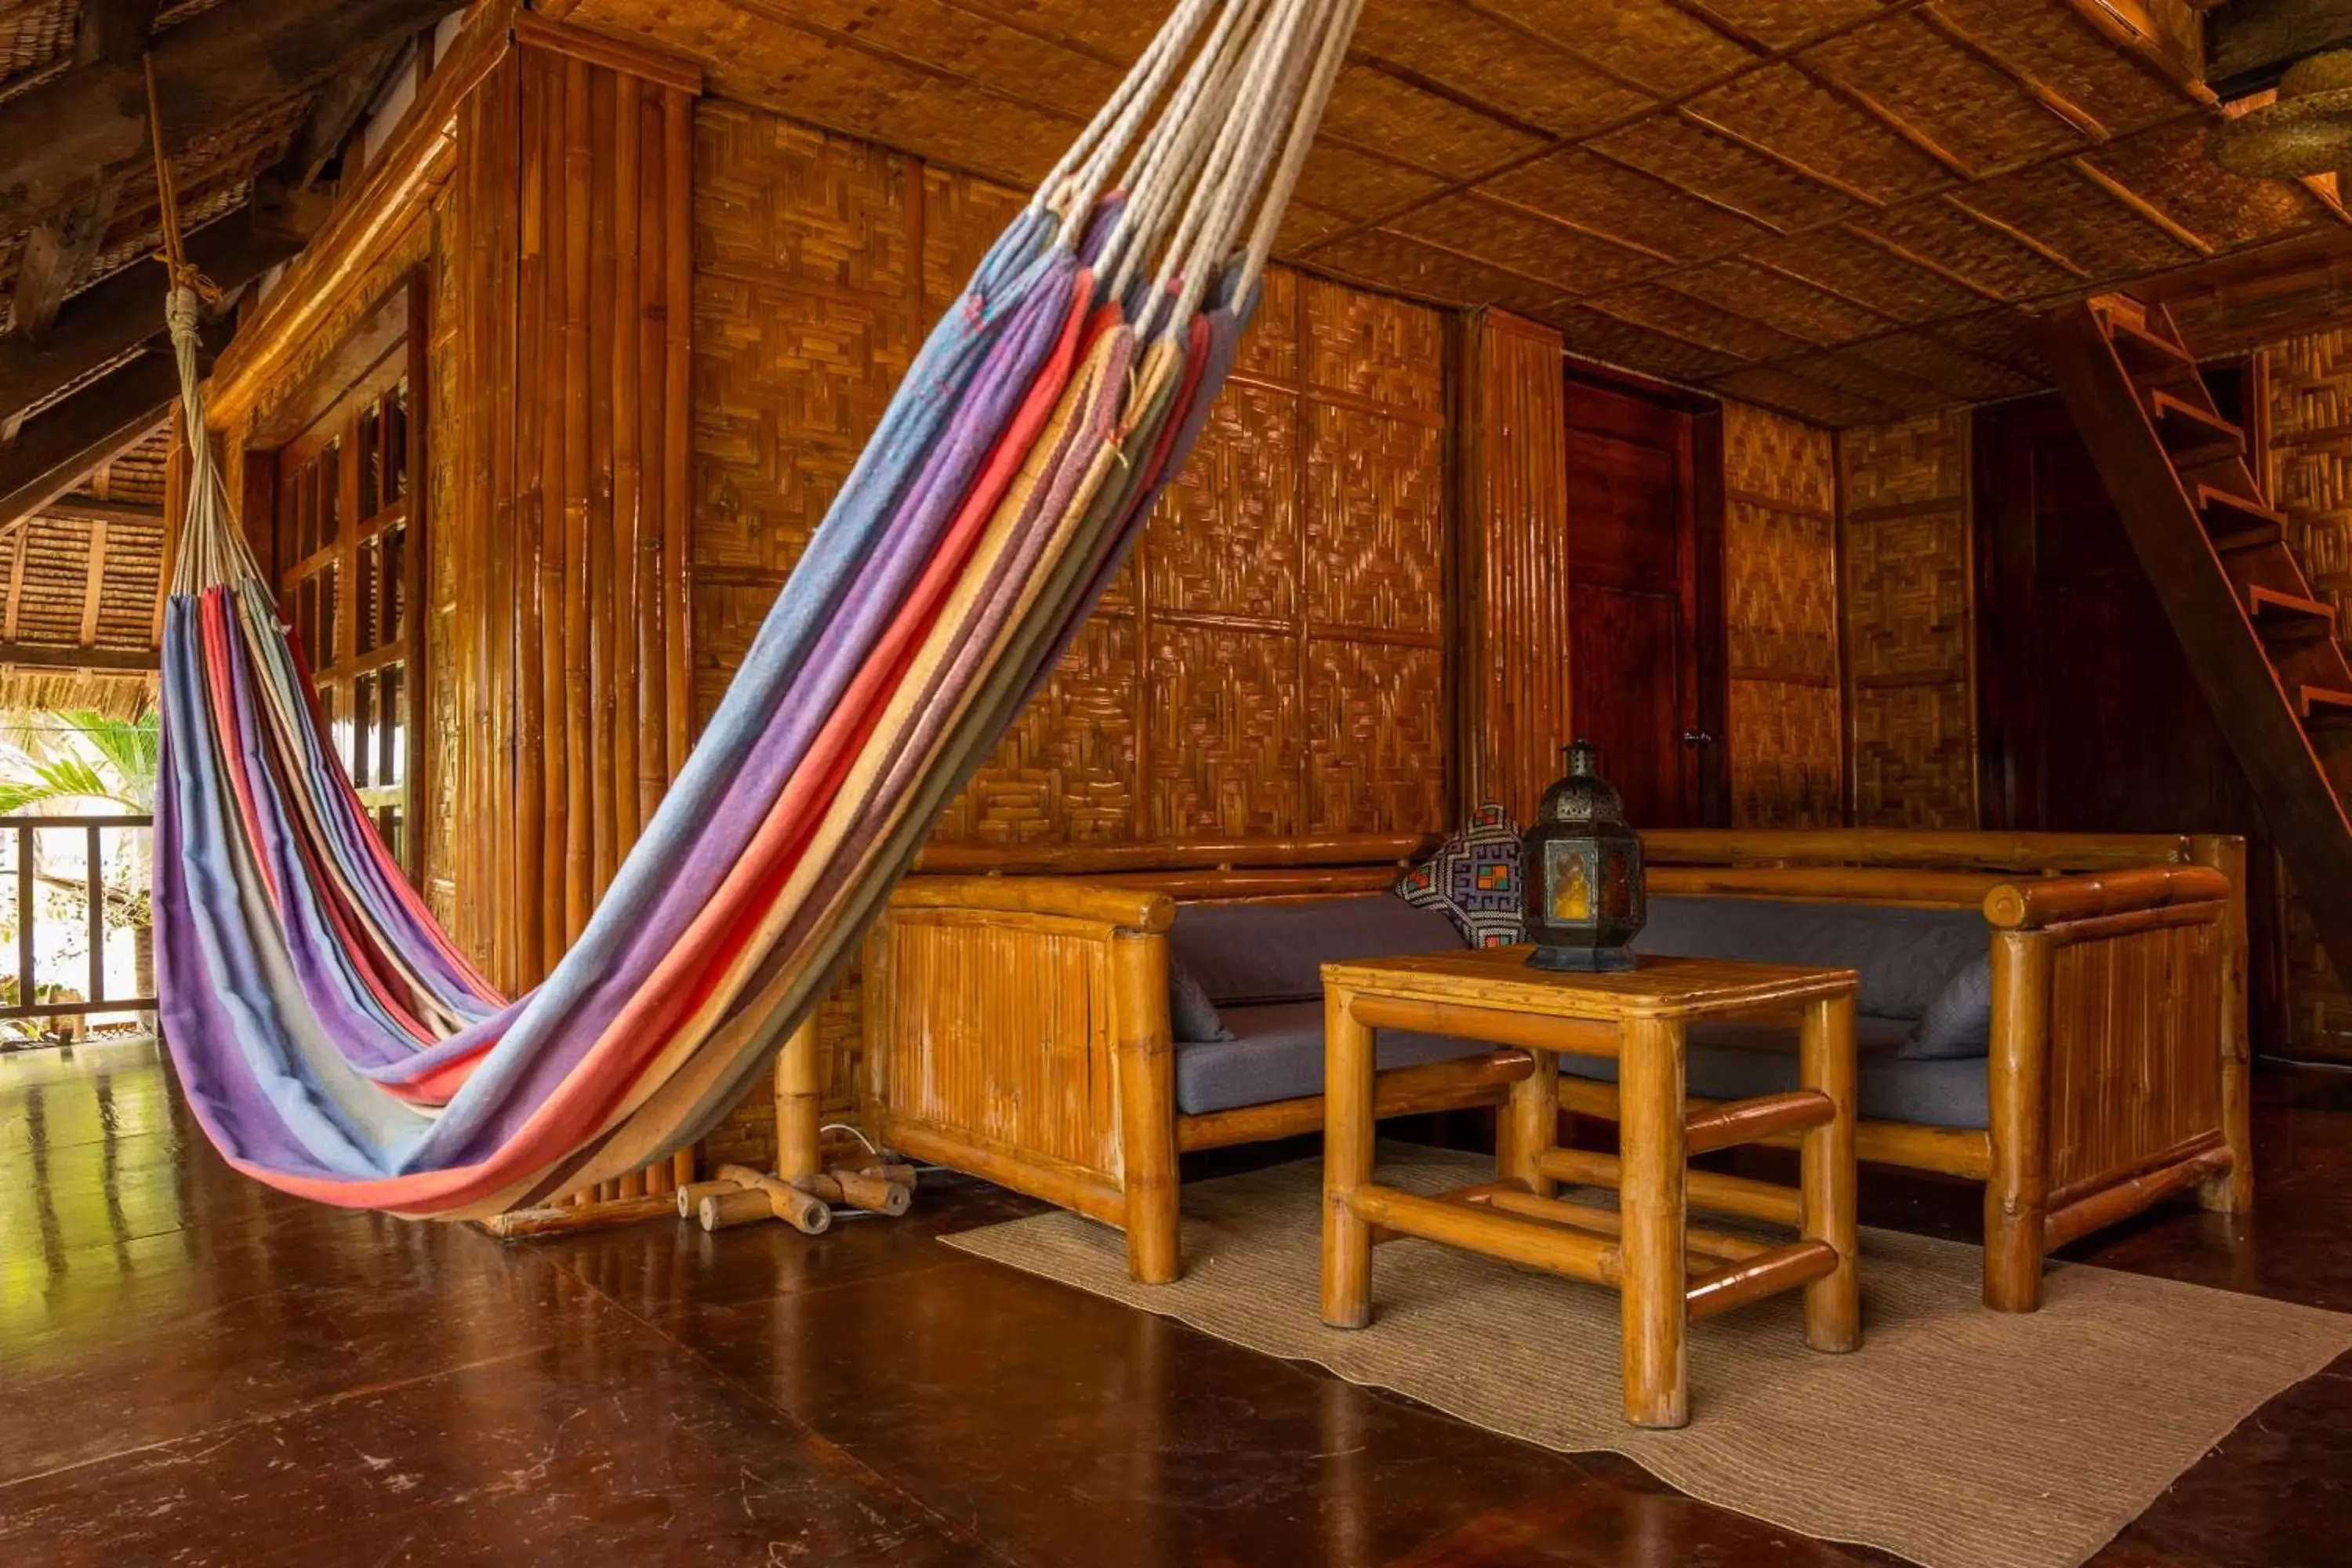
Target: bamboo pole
(527, 882)
(800, 1097)
(2234, 1192)
(1348, 1129)
(1710, 1190)
(803, 1209)
(1650, 1080)
(1717, 1246)
(1565, 1250)
(1147, 1104)
(678, 433)
(1825, 1054)
(1806, 1263)
(609, 198)
(628, 489)
(1530, 1124)
(653, 632)
(580, 584)
(2018, 1084)
(1752, 1121)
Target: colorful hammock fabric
(336, 1044)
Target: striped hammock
(332, 1039)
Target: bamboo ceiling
(1845, 209)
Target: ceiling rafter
(1829, 81)
(2079, 119)
(2140, 206)
(1902, 252)
(1959, 202)
(1787, 161)
(62, 442)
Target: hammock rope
(333, 1041)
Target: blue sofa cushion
(1190, 1015)
(1277, 1053)
(1958, 1022)
(1736, 1058)
(1905, 956)
(1474, 880)
(1247, 954)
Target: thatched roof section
(82, 578)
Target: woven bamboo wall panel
(1515, 590)
(1375, 715)
(1067, 770)
(1225, 742)
(1375, 529)
(1910, 686)
(441, 704)
(1785, 748)
(1226, 540)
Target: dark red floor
(196, 1370)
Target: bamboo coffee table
(1666, 1272)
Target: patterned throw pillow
(1473, 878)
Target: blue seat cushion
(1737, 1058)
(1243, 955)
(1277, 1053)
(1905, 956)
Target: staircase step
(2142, 352)
(2282, 616)
(2324, 709)
(2260, 536)
(2189, 434)
(2235, 510)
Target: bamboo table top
(1499, 979)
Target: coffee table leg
(1347, 1163)
(1826, 1061)
(1650, 1195)
(1532, 1126)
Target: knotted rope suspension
(212, 548)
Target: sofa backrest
(1905, 956)
(1245, 954)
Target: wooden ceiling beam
(110, 33)
(335, 113)
(110, 319)
(57, 446)
(217, 69)
(104, 512)
(42, 655)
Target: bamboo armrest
(2056, 901)
(1125, 909)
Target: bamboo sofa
(1017, 1017)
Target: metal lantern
(1582, 867)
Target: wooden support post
(1147, 1102)
(1826, 1066)
(800, 1096)
(2232, 1192)
(1529, 1126)
(1348, 1130)
(1650, 1078)
(2018, 1081)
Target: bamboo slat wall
(2310, 479)
(1911, 691)
(561, 561)
(1272, 662)
(1515, 579)
(1786, 742)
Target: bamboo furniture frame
(1016, 1023)
(1665, 1273)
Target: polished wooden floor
(193, 1370)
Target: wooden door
(348, 570)
(1637, 578)
(2090, 718)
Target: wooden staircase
(2265, 647)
